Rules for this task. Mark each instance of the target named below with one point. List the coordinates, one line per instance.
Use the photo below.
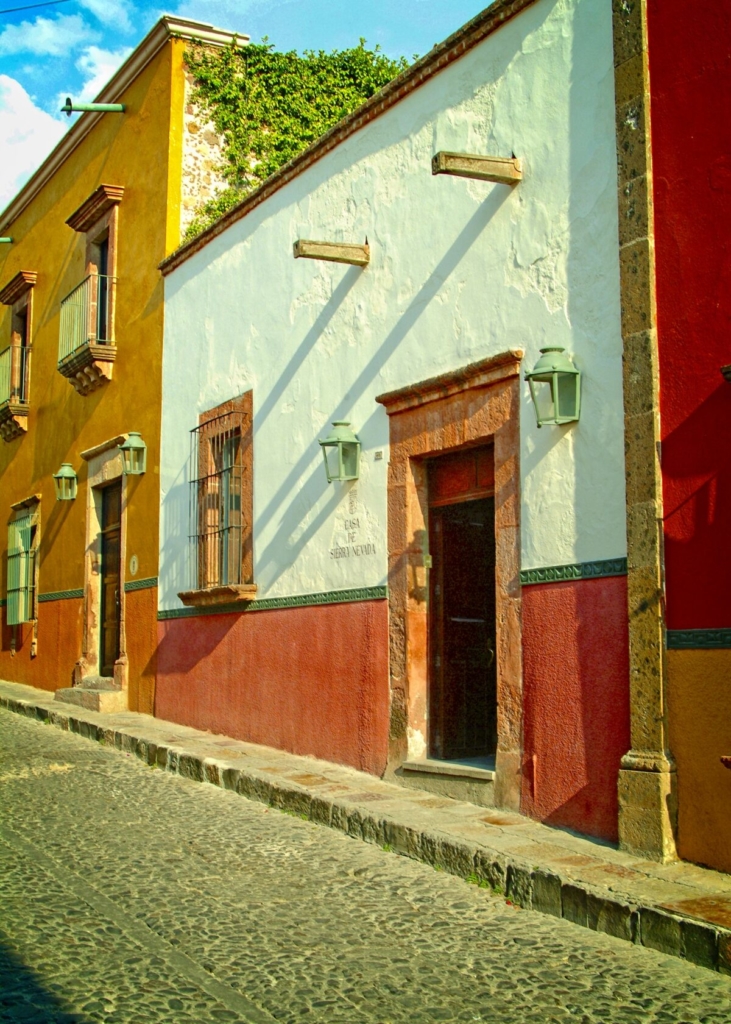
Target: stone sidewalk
(678, 908)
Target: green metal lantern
(555, 387)
(65, 483)
(341, 452)
(134, 454)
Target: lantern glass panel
(331, 455)
(350, 461)
(568, 396)
(542, 395)
(137, 461)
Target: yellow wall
(699, 705)
(139, 151)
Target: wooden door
(462, 672)
(110, 576)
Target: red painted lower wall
(60, 631)
(576, 702)
(310, 680)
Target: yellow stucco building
(81, 328)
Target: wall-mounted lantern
(70, 108)
(65, 482)
(555, 387)
(341, 452)
(134, 454)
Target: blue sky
(75, 46)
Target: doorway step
(95, 693)
(471, 780)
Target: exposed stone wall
(202, 156)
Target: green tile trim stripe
(575, 571)
(683, 639)
(60, 595)
(269, 603)
(144, 584)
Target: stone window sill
(230, 594)
(459, 769)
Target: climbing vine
(269, 106)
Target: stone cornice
(29, 502)
(167, 27)
(476, 375)
(456, 46)
(100, 200)
(18, 286)
(105, 446)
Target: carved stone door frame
(478, 404)
(105, 467)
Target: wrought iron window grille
(218, 521)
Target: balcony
(14, 381)
(86, 349)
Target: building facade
(672, 89)
(80, 374)
(457, 615)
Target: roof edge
(443, 54)
(168, 27)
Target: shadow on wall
(283, 549)
(23, 996)
(365, 378)
(176, 564)
(576, 697)
(200, 644)
(697, 499)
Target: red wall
(310, 680)
(60, 632)
(690, 81)
(575, 702)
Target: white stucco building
(423, 351)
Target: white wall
(459, 270)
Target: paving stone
(130, 894)
(660, 931)
(519, 885)
(602, 888)
(610, 916)
(546, 893)
(700, 944)
(573, 904)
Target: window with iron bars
(220, 497)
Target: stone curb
(526, 886)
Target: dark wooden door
(110, 576)
(462, 671)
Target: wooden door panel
(111, 548)
(462, 671)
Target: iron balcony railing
(87, 315)
(14, 374)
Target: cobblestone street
(132, 895)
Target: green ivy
(269, 106)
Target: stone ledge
(451, 836)
(430, 766)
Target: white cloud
(97, 66)
(28, 135)
(52, 37)
(112, 13)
